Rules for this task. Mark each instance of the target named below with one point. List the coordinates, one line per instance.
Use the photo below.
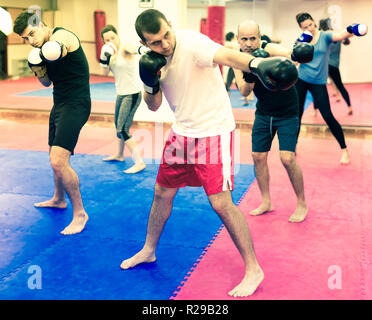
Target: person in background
(334, 64)
(58, 58)
(266, 38)
(232, 44)
(276, 113)
(229, 43)
(122, 60)
(313, 75)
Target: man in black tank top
(58, 58)
(276, 112)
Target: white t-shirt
(194, 88)
(126, 73)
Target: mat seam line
(16, 269)
(205, 250)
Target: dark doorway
(3, 58)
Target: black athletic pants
(321, 102)
(334, 74)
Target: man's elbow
(153, 107)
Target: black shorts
(265, 128)
(65, 122)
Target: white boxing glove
(51, 51)
(6, 24)
(107, 50)
(36, 64)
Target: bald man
(276, 112)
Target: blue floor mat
(237, 102)
(104, 91)
(86, 266)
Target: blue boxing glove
(305, 37)
(358, 29)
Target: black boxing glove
(248, 76)
(275, 73)
(260, 53)
(149, 69)
(303, 52)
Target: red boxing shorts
(197, 162)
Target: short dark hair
(108, 28)
(149, 21)
(325, 24)
(301, 17)
(229, 36)
(25, 19)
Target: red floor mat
(301, 261)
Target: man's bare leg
(67, 177)
(160, 211)
(119, 156)
(58, 200)
(294, 171)
(139, 164)
(262, 174)
(238, 229)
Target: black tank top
(276, 104)
(70, 75)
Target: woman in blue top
(334, 64)
(313, 75)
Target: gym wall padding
(216, 23)
(99, 23)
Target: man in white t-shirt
(198, 151)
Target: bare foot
(140, 257)
(263, 208)
(248, 285)
(299, 215)
(345, 159)
(136, 168)
(114, 158)
(52, 204)
(77, 224)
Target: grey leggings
(125, 108)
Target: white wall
(277, 19)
